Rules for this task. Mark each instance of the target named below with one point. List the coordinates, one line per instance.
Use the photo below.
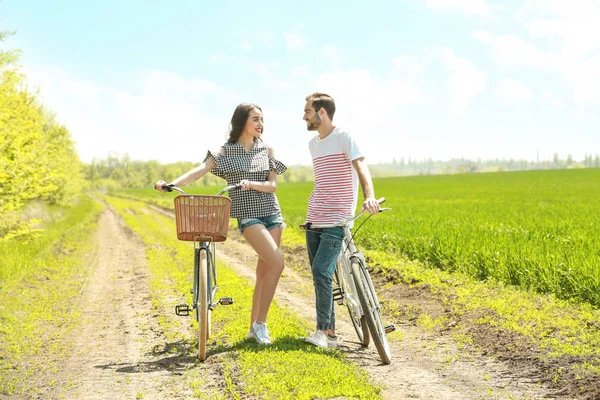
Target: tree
(38, 160)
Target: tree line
(119, 171)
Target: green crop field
(537, 230)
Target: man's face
(313, 121)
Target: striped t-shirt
(335, 194)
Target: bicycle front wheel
(350, 299)
(202, 311)
(370, 305)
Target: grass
(559, 327)
(40, 283)
(290, 368)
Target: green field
(537, 230)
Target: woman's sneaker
(318, 338)
(332, 341)
(261, 333)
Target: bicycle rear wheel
(202, 311)
(370, 305)
(350, 299)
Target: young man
(338, 167)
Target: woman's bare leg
(268, 268)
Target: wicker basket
(202, 218)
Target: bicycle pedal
(389, 328)
(337, 295)
(182, 310)
(225, 301)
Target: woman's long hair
(239, 119)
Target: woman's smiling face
(254, 124)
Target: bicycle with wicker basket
(204, 220)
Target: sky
(440, 79)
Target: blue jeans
(324, 246)
(270, 222)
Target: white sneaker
(332, 341)
(251, 334)
(318, 338)
(261, 333)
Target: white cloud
(409, 64)
(331, 54)
(294, 41)
(172, 119)
(512, 51)
(299, 72)
(585, 82)
(472, 8)
(549, 99)
(564, 39)
(513, 93)
(264, 69)
(465, 82)
(263, 38)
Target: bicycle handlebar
(170, 187)
(344, 221)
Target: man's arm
(364, 176)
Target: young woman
(246, 160)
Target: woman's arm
(190, 176)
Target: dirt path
(113, 355)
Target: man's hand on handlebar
(371, 204)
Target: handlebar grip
(169, 187)
(306, 226)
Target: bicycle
(203, 219)
(354, 288)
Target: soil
(120, 352)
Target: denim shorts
(270, 222)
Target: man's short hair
(322, 100)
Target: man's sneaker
(318, 338)
(261, 333)
(332, 341)
(251, 334)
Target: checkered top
(237, 164)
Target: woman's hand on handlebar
(244, 184)
(161, 186)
